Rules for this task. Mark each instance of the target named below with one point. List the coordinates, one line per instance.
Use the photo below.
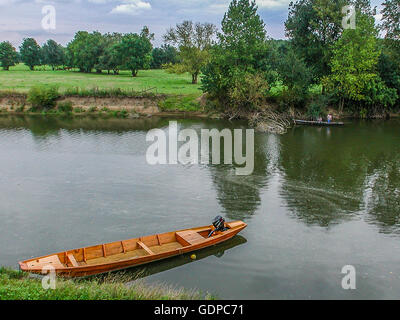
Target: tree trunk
(32, 68)
(341, 105)
(134, 73)
(194, 78)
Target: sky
(23, 18)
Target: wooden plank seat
(190, 236)
(72, 260)
(144, 247)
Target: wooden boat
(317, 123)
(129, 253)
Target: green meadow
(20, 79)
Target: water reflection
(382, 193)
(42, 126)
(240, 195)
(175, 262)
(333, 175)
(326, 175)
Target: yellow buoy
(193, 257)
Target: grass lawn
(21, 79)
(15, 285)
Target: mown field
(21, 79)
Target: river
(318, 199)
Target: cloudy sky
(23, 18)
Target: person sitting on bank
(330, 118)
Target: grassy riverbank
(21, 79)
(152, 92)
(16, 285)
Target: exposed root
(271, 121)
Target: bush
(43, 98)
(79, 110)
(65, 106)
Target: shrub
(43, 98)
(79, 110)
(65, 106)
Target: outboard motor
(219, 224)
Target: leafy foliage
(314, 26)
(164, 55)
(30, 53)
(43, 98)
(8, 55)
(194, 42)
(234, 60)
(134, 52)
(53, 54)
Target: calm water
(319, 199)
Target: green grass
(21, 79)
(180, 103)
(16, 285)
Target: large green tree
(237, 58)
(30, 53)
(8, 55)
(135, 52)
(354, 66)
(194, 41)
(314, 26)
(85, 50)
(53, 54)
(110, 59)
(391, 27)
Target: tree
(110, 59)
(314, 26)
(53, 54)
(30, 53)
(8, 55)
(164, 55)
(296, 76)
(389, 71)
(354, 65)
(391, 26)
(135, 52)
(243, 33)
(237, 57)
(194, 42)
(85, 50)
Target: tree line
(320, 65)
(111, 52)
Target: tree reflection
(323, 177)
(331, 175)
(240, 195)
(382, 192)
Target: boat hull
(317, 123)
(75, 264)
